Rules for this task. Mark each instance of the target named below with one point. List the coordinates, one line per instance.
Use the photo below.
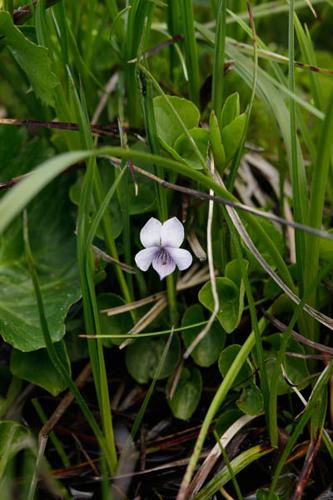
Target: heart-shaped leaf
(143, 356)
(187, 394)
(168, 127)
(226, 359)
(208, 350)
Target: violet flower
(162, 242)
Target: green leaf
(208, 350)
(185, 150)
(117, 324)
(226, 359)
(232, 135)
(231, 301)
(168, 128)
(37, 368)
(216, 142)
(295, 368)
(187, 394)
(230, 110)
(53, 245)
(13, 439)
(143, 355)
(32, 58)
(251, 401)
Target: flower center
(163, 257)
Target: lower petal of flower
(145, 257)
(163, 263)
(182, 258)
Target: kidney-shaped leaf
(168, 127)
(37, 368)
(143, 357)
(185, 149)
(187, 394)
(227, 358)
(230, 302)
(208, 350)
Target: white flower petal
(172, 233)
(144, 258)
(163, 263)
(182, 258)
(150, 234)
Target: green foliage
(208, 350)
(230, 110)
(36, 367)
(230, 290)
(142, 358)
(117, 324)
(14, 438)
(184, 147)
(187, 395)
(251, 401)
(32, 58)
(226, 358)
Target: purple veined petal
(150, 234)
(182, 258)
(172, 233)
(163, 263)
(145, 257)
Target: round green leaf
(37, 368)
(143, 356)
(208, 350)
(232, 135)
(168, 126)
(187, 394)
(226, 359)
(184, 147)
(251, 401)
(230, 301)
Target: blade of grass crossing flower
(191, 50)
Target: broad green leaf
(264, 494)
(295, 368)
(143, 355)
(274, 234)
(216, 142)
(233, 271)
(208, 350)
(251, 401)
(226, 359)
(13, 439)
(184, 148)
(230, 110)
(53, 244)
(230, 302)
(187, 394)
(117, 324)
(232, 135)
(168, 127)
(32, 58)
(37, 368)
